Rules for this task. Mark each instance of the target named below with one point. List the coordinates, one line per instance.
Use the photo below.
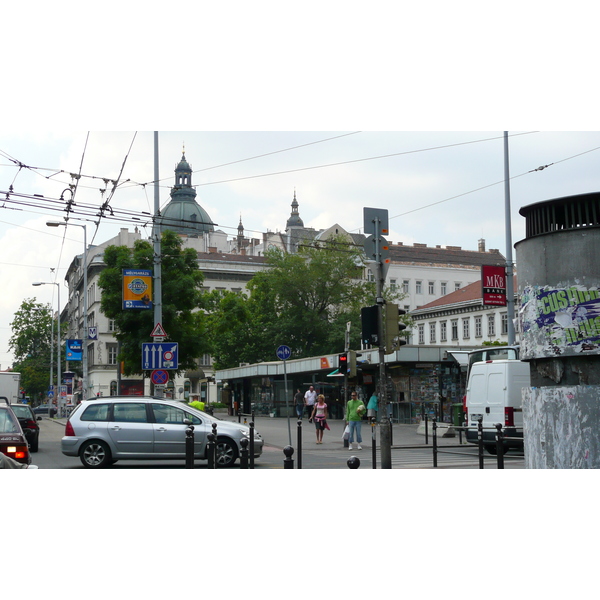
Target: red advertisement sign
(493, 283)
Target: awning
(335, 373)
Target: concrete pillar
(558, 277)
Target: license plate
(475, 418)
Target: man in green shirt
(354, 412)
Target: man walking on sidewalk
(309, 400)
(354, 413)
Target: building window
(491, 325)
(421, 334)
(419, 285)
(432, 333)
(466, 329)
(454, 329)
(91, 354)
(407, 307)
(112, 353)
(443, 331)
(405, 286)
(393, 285)
(443, 288)
(432, 287)
(111, 325)
(456, 285)
(504, 323)
(478, 330)
(205, 360)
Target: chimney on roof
(481, 245)
(212, 249)
(453, 248)
(419, 245)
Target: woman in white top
(319, 415)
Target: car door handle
(115, 428)
(162, 429)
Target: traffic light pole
(385, 435)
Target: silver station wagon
(104, 430)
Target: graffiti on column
(559, 321)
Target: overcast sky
(442, 188)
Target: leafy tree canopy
(181, 298)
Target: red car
(12, 439)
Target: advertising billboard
(493, 283)
(137, 289)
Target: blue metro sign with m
(162, 355)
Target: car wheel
(95, 455)
(226, 452)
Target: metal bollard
(251, 464)
(210, 450)
(353, 462)
(426, 432)
(435, 450)
(299, 461)
(244, 453)
(500, 446)
(373, 443)
(189, 446)
(214, 432)
(288, 461)
(480, 441)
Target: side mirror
(187, 422)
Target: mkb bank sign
(137, 288)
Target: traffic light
(393, 327)
(352, 356)
(368, 319)
(343, 363)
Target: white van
(494, 396)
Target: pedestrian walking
(372, 407)
(309, 400)
(299, 400)
(319, 415)
(354, 413)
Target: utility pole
(376, 222)
(510, 292)
(157, 254)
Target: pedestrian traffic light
(393, 327)
(352, 356)
(343, 364)
(369, 323)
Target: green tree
(181, 298)
(303, 300)
(31, 344)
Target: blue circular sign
(283, 352)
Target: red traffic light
(343, 363)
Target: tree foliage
(31, 343)
(303, 300)
(181, 298)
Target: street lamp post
(85, 303)
(58, 382)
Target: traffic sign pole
(283, 353)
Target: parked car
(12, 439)
(28, 421)
(104, 430)
(43, 409)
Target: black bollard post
(216, 458)
(299, 462)
(480, 441)
(500, 446)
(353, 462)
(435, 450)
(244, 453)
(251, 457)
(288, 461)
(426, 431)
(210, 450)
(373, 443)
(189, 446)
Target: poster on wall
(559, 321)
(74, 349)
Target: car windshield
(22, 412)
(7, 422)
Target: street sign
(376, 221)
(159, 377)
(163, 355)
(283, 352)
(158, 331)
(92, 333)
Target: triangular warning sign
(158, 331)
